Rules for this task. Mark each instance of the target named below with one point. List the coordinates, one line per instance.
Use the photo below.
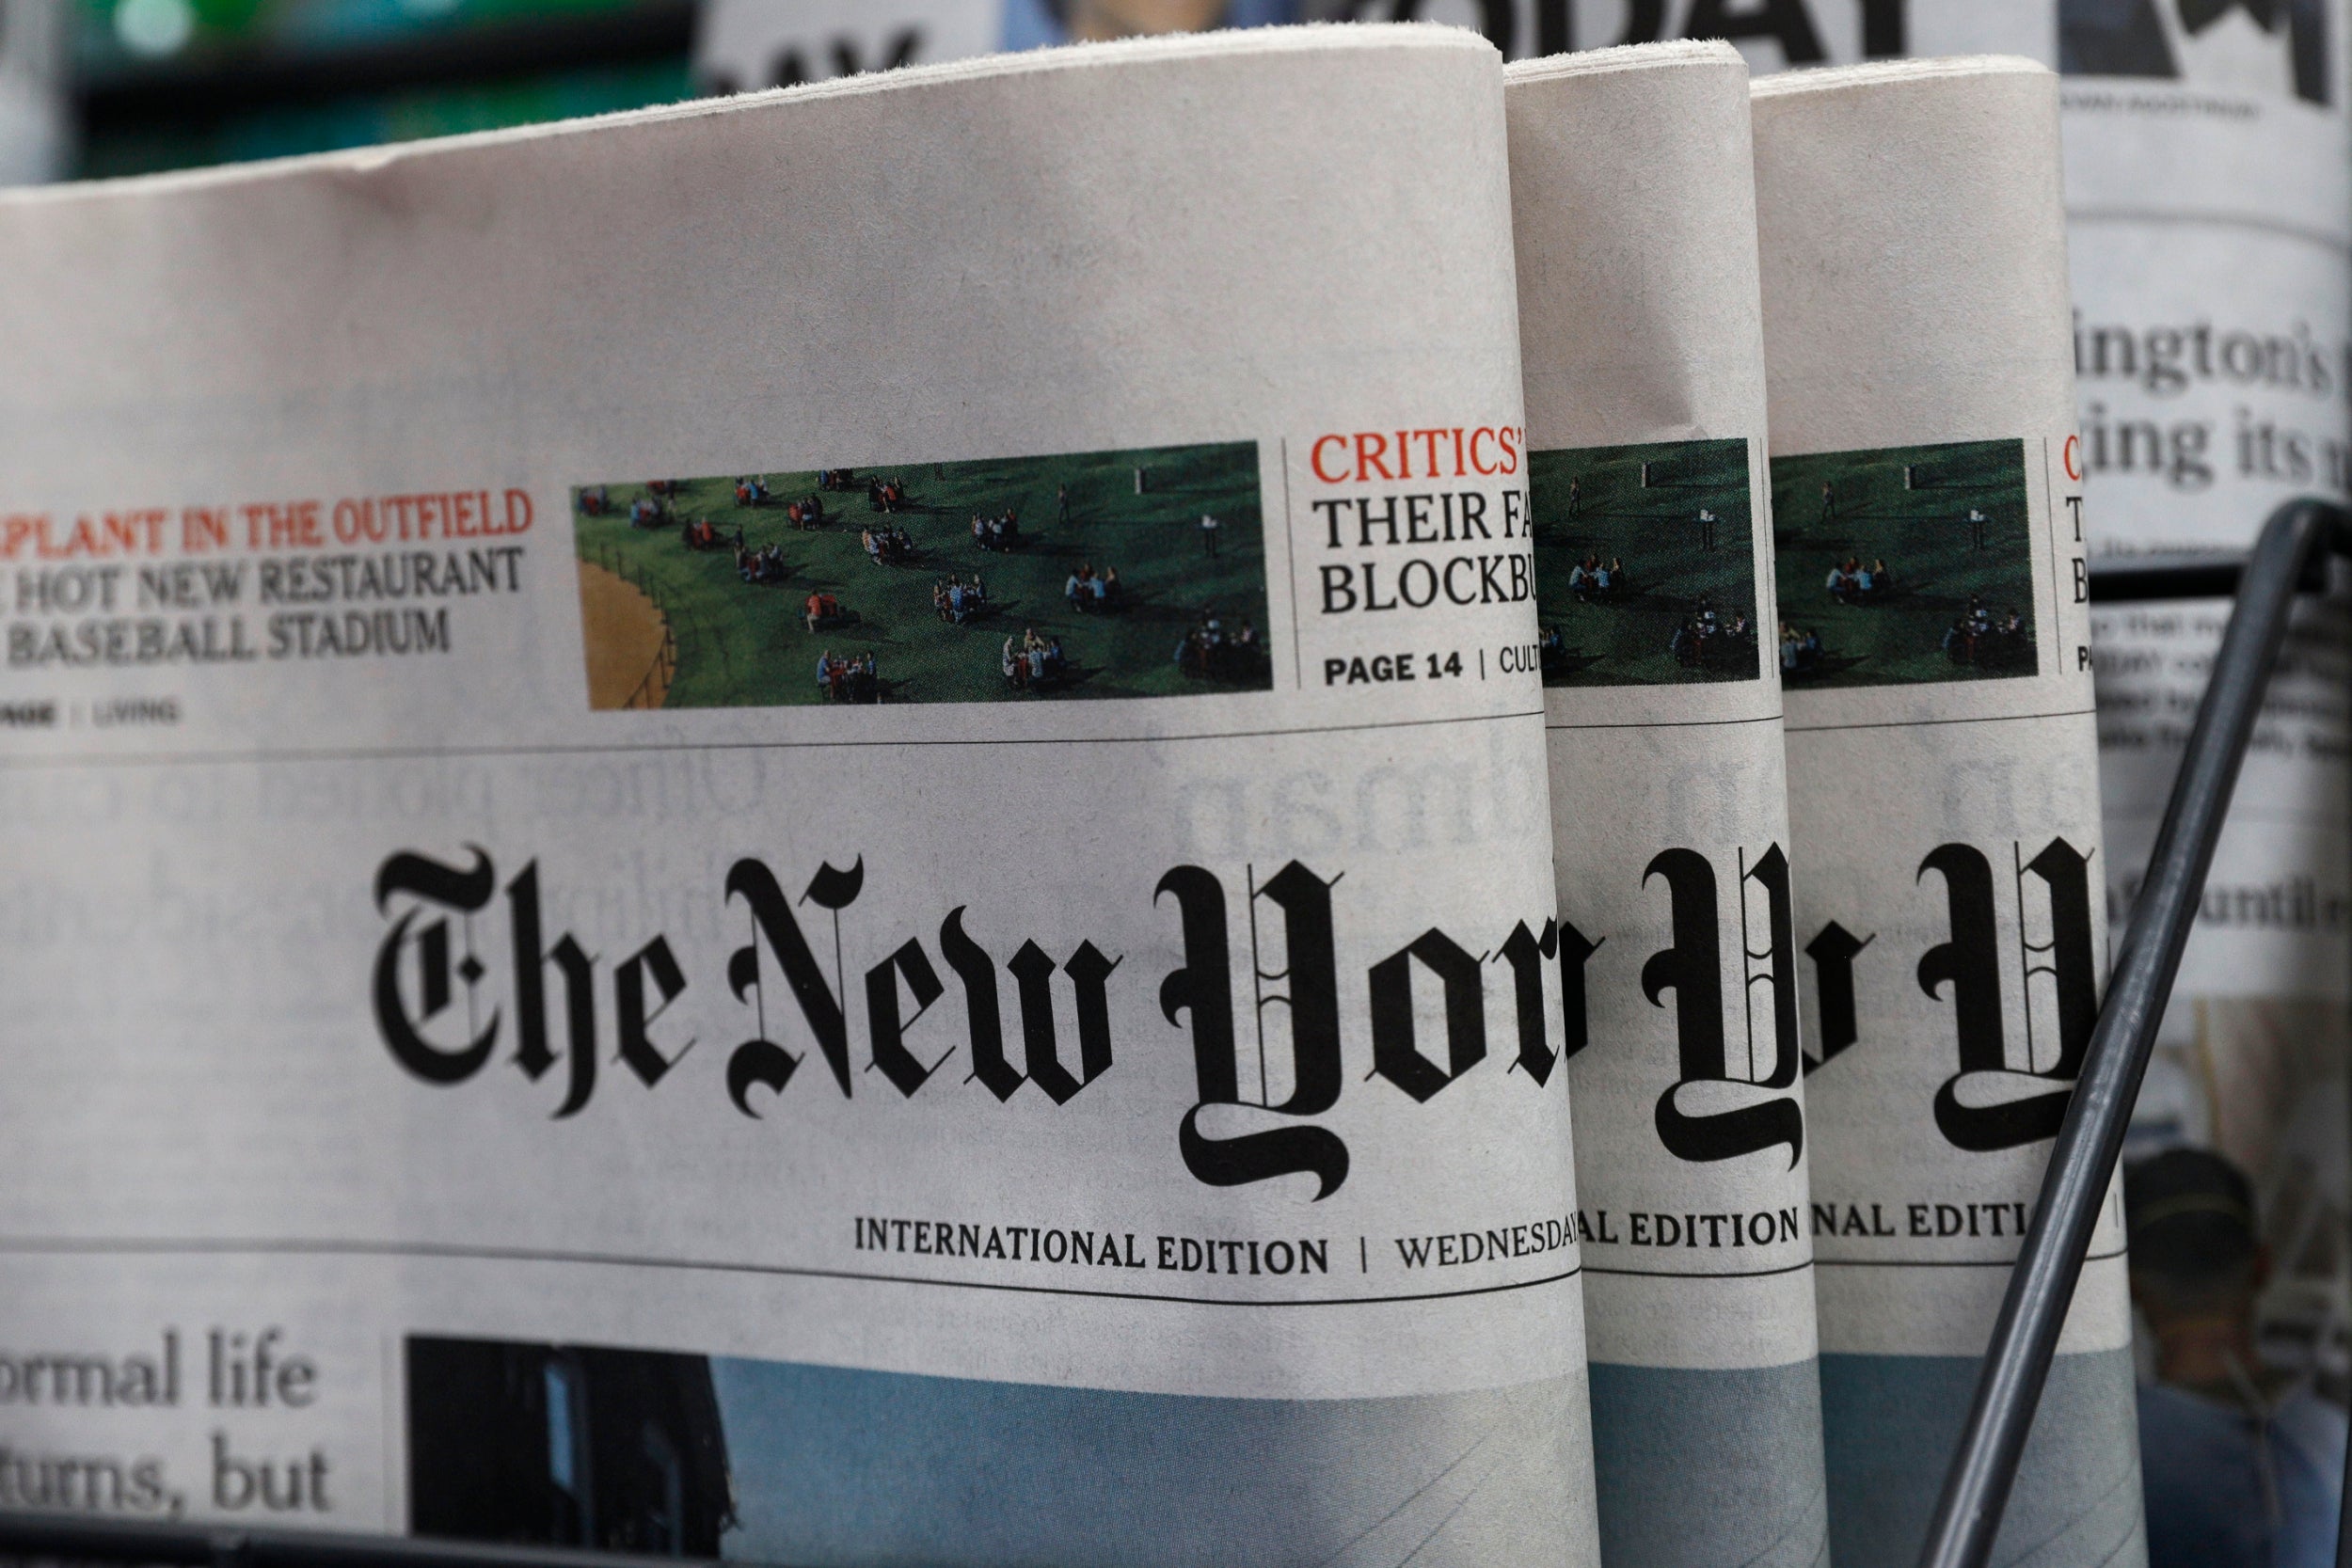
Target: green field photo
(1903, 565)
(1113, 574)
(1645, 563)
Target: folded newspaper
(1633, 190)
(1943, 771)
(808, 829)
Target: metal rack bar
(2082, 1164)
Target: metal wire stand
(2287, 558)
(2082, 1164)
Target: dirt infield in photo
(625, 633)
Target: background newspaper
(510, 1039)
(1635, 215)
(33, 135)
(1941, 774)
(755, 43)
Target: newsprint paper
(807, 829)
(2209, 181)
(1943, 775)
(2209, 212)
(1633, 186)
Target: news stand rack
(2289, 556)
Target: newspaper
(1633, 190)
(791, 828)
(782, 43)
(34, 136)
(1775, 35)
(1943, 776)
(2209, 198)
(2210, 186)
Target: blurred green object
(273, 131)
(119, 39)
(180, 84)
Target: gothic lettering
(1202, 989)
(1396, 1054)
(465, 892)
(1692, 970)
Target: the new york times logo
(1990, 1102)
(444, 1010)
(1269, 1042)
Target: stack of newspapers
(1276, 798)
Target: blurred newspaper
(35, 132)
(777, 43)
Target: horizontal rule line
(104, 1246)
(1660, 724)
(1703, 1273)
(1940, 1263)
(1794, 728)
(432, 753)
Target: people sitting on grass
(821, 610)
(761, 566)
(1709, 636)
(1800, 650)
(850, 678)
(1690, 642)
(1089, 589)
(648, 510)
(1034, 663)
(1219, 652)
(1981, 636)
(751, 491)
(1852, 583)
(887, 546)
(701, 534)
(957, 601)
(1960, 637)
(663, 488)
(885, 495)
(1000, 532)
(1595, 578)
(595, 501)
(835, 479)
